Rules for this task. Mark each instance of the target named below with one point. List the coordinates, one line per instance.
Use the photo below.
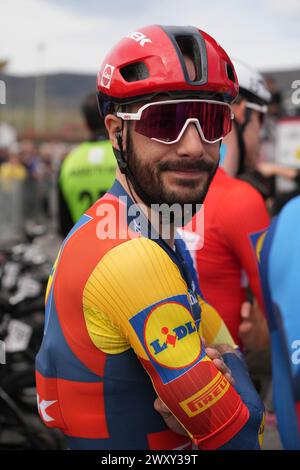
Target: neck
(166, 231)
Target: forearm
(204, 403)
(250, 437)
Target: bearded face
(172, 178)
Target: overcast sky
(74, 35)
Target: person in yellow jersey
(122, 364)
(13, 169)
(87, 172)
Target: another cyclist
(87, 172)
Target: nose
(190, 144)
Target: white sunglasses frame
(137, 116)
(257, 107)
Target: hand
(215, 354)
(253, 329)
(169, 418)
(266, 169)
(271, 169)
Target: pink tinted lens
(165, 121)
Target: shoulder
(74, 157)
(78, 150)
(241, 191)
(291, 212)
(232, 189)
(240, 198)
(131, 278)
(283, 236)
(104, 240)
(141, 259)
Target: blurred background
(50, 52)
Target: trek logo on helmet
(106, 76)
(139, 37)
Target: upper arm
(245, 216)
(140, 291)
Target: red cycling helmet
(150, 61)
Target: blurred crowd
(29, 171)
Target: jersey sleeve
(139, 291)
(244, 216)
(279, 259)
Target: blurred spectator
(242, 143)
(249, 111)
(13, 169)
(275, 108)
(30, 157)
(292, 174)
(3, 155)
(87, 172)
(234, 214)
(8, 135)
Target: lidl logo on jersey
(170, 337)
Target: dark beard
(148, 182)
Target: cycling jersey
(223, 253)
(123, 324)
(279, 258)
(86, 174)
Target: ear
(113, 125)
(240, 111)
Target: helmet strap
(241, 141)
(119, 153)
(125, 170)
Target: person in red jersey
(249, 111)
(226, 264)
(234, 212)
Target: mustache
(181, 165)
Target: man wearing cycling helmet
(249, 111)
(125, 326)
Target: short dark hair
(92, 115)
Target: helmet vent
(189, 48)
(135, 72)
(230, 73)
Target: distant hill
(69, 89)
(62, 96)
(66, 88)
